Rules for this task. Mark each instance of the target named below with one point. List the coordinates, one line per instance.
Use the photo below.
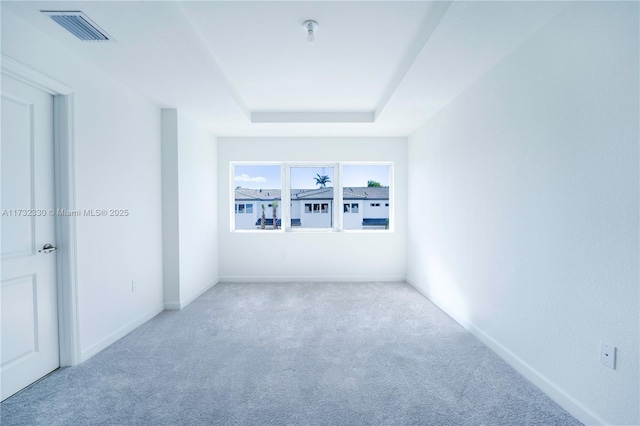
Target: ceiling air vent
(78, 24)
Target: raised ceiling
(246, 69)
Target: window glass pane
(311, 192)
(369, 185)
(258, 185)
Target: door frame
(65, 198)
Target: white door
(28, 294)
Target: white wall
(313, 255)
(197, 154)
(170, 209)
(117, 140)
(524, 209)
(190, 221)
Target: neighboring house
(363, 207)
(248, 207)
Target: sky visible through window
(305, 177)
(257, 177)
(268, 176)
(358, 175)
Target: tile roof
(365, 193)
(349, 193)
(258, 194)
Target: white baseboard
(566, 401)
(314, 279)
(194, 296)
(172, 306)
(120, 333)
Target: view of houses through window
(363, 200)
(365, 188)
(257, 196)
(312, 197)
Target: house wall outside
(524, 209)
(247, 217)
(376, 209)
(246, 220)
(117, 143)
(296, 209)
(313, 255)
(317, 218)
(352, 219)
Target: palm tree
(262, 218)
(322, 180)
(275, 216)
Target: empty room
(320, 213)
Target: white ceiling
(246, 69)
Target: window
(259, 184)
(371, 184)
(312, 195)
(244, 208)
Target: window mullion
(285, 198)
(337, 198)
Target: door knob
(47, 248)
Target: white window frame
(285, 199)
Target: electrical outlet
(608, 355)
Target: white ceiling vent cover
(78, 24)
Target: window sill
(257, 231)
(312, 231)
